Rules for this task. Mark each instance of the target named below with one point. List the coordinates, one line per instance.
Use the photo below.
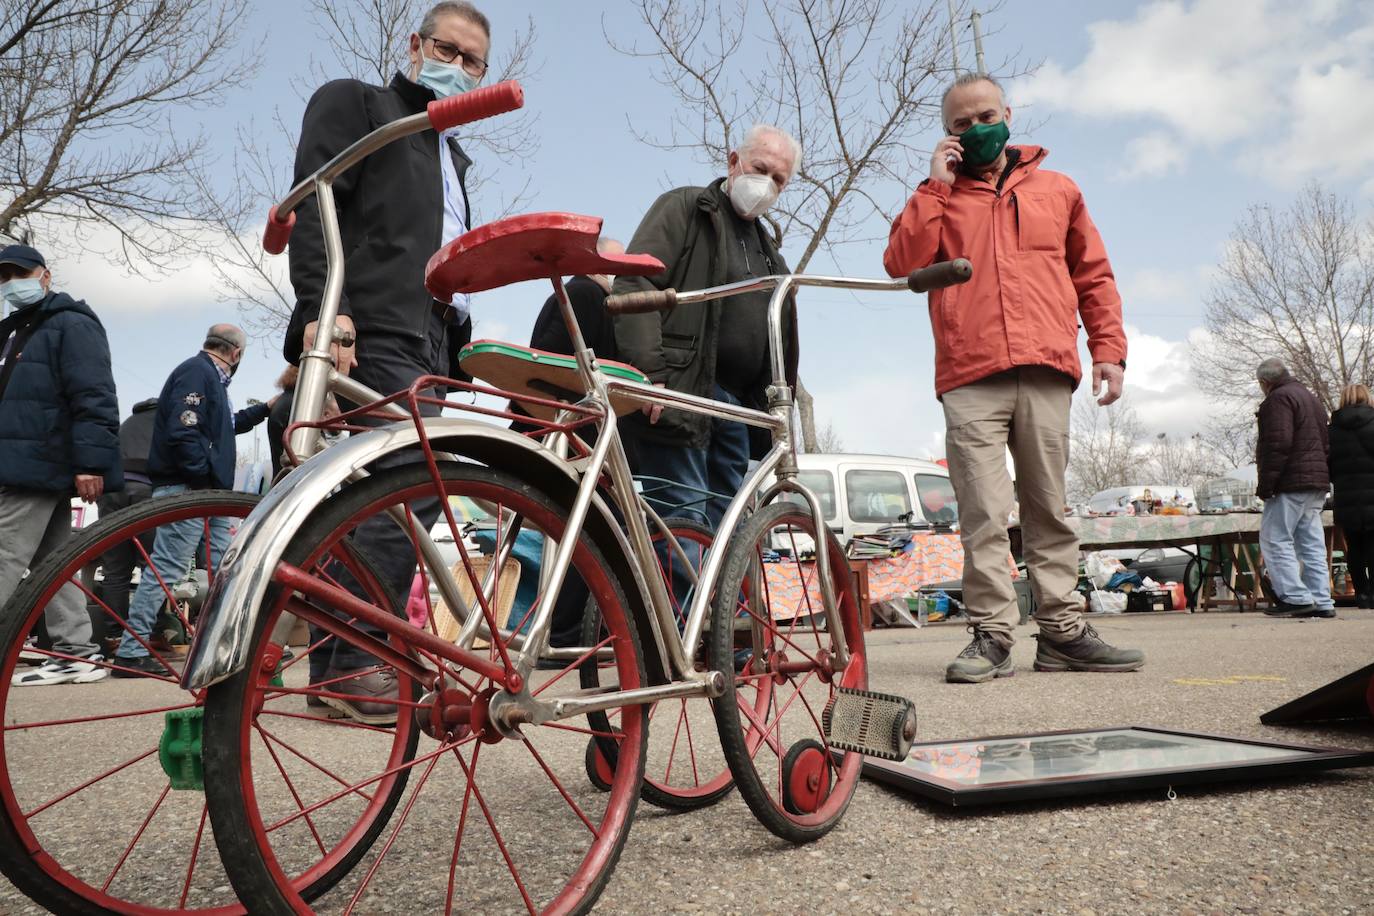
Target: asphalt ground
(1297, 845)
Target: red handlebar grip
(278, 232)
(467, 107)
(654, 300)
(937, 276)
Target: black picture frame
(1284, 759)
(1346, 699)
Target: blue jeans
(175, 550)
(696, 483)
(1294, 548)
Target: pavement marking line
(1227, 681)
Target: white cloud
(1283, 89)
(1152, 155)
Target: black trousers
(387, 363)
(1359, 558)
(118, 563)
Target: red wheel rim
(468, 754)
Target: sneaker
(372, 690)
(62, 671)
(1087, 652)
(139, 666)
(982, 660)
(1284, 609)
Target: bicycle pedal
(875, 724)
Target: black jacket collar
(417, 97)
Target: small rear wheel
(769, 627)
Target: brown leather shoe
(376, 693)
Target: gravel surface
(1291, 846)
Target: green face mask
(983, 143)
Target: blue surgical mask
(446, 79)
(22, 291)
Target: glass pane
(938, 502)
(876, 496)
(822, 483)
(1120, 751)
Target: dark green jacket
(686, 230)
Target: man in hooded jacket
(59, 423)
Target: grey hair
(460, 8)
(1271, 370)
(968, 79)
(224, 338)
(756, 133)
(604, 243)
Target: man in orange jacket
(1006, 365)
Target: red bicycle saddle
(533, 246)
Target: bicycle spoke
(291, 787)
(90, 782)
(136, 837)
(195, 853)
(458, 836)
(496, 833)
(386, 847)
(557, 784)
(291, 750)
(100, 718)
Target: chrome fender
(235, 600)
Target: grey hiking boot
(982, 660)
(1086, 653)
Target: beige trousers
(1027, 410)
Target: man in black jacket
(396, 209)
(58, 434)
(1291, 455)
(707, 237)
(192, 449)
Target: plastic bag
(1100, 602)
(1100, 568)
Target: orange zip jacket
(1038, 267)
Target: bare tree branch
(1296, 284)
(857, 82)
(88, 87)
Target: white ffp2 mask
(752, 195)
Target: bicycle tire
(752, 592)
(55, 876)
(238, 789)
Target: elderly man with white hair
(708, 236)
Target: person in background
(1291, 455)
(587, 295)
(59, 435)
(1006, 366)
(396, 208)
(192, 449)
(118, 563)
(1351, 463)
(708, 236)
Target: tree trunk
(806, 406)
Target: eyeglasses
(448, 53)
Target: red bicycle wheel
(769, 625)
(685, 767)
(488, 820)
(90, 822)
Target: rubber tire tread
(737, 563)
(15, 861)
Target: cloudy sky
(1173, 117)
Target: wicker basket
(508, 580)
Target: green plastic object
(179, 749)
(540, 357)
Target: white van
(862, 493)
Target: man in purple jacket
(1293, 482)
